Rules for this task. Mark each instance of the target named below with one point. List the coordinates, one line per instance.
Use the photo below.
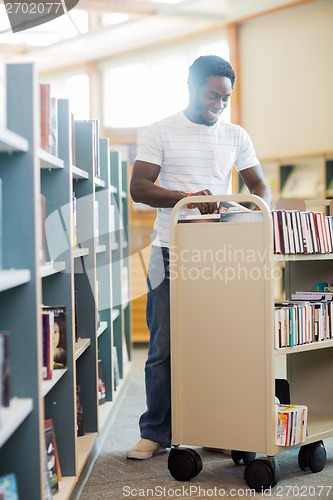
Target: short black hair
(206, 66)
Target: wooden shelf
(99, 182)
(78, 173)
(66, 486)
(100, 248)
(80, 252)
(313, 346)
(50, 268)
(48, 385)
(12, 143)
(104, 411)
(102, 327)
(13, 277)
(84, 447)
(48, 160)
(80, 346)
(13, 416)
(115, 313)
(299, 257)
(320, 426)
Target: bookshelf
(82, 278)
(307, 176)
(238, 349)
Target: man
(190, 153)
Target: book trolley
(224, 364)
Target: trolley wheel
(312, 456)
(184, 463)
(242, 457)
(262, 473)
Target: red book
(45, 96)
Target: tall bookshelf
(81, 278)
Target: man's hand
(205, 208)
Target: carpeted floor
(115, 477)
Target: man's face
(208, 101)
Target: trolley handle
(238, 198)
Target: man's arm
(143, 189)
(256, 183)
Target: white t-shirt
(193, 157)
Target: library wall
(285, 78)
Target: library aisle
(114, 476)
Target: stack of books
(291, 424)
(303, 320)
(297, 232)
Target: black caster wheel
(184, 463)
(262, 474)
(312, 456)
(242, 457)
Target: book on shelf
(48, 120)
(303, 182)
(50, 450)
(311, 295)
(47, 480)
(112, 224)
(101, 384)
(300, 322)
(75, 316)
(1, 228)
(200, 218)
(45, 96)
(291, 424)
(79, 412)
(241, 216)
(53, 137)
(47, 330)
(232, 206)
(98, 302)
(8, 487)
(115, 364)
(124, 350)
(74, 216)
(59, 337)
(4, 369)
(97, 172)
(3, 94)
(48, 423)
(306, 232)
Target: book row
(291, 424)
(294, 231)
(297, 232)
(302, 322)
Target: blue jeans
(155, 422)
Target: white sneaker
(144, 449)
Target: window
(139, 93)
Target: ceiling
(97, 29)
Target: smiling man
(190, 153)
